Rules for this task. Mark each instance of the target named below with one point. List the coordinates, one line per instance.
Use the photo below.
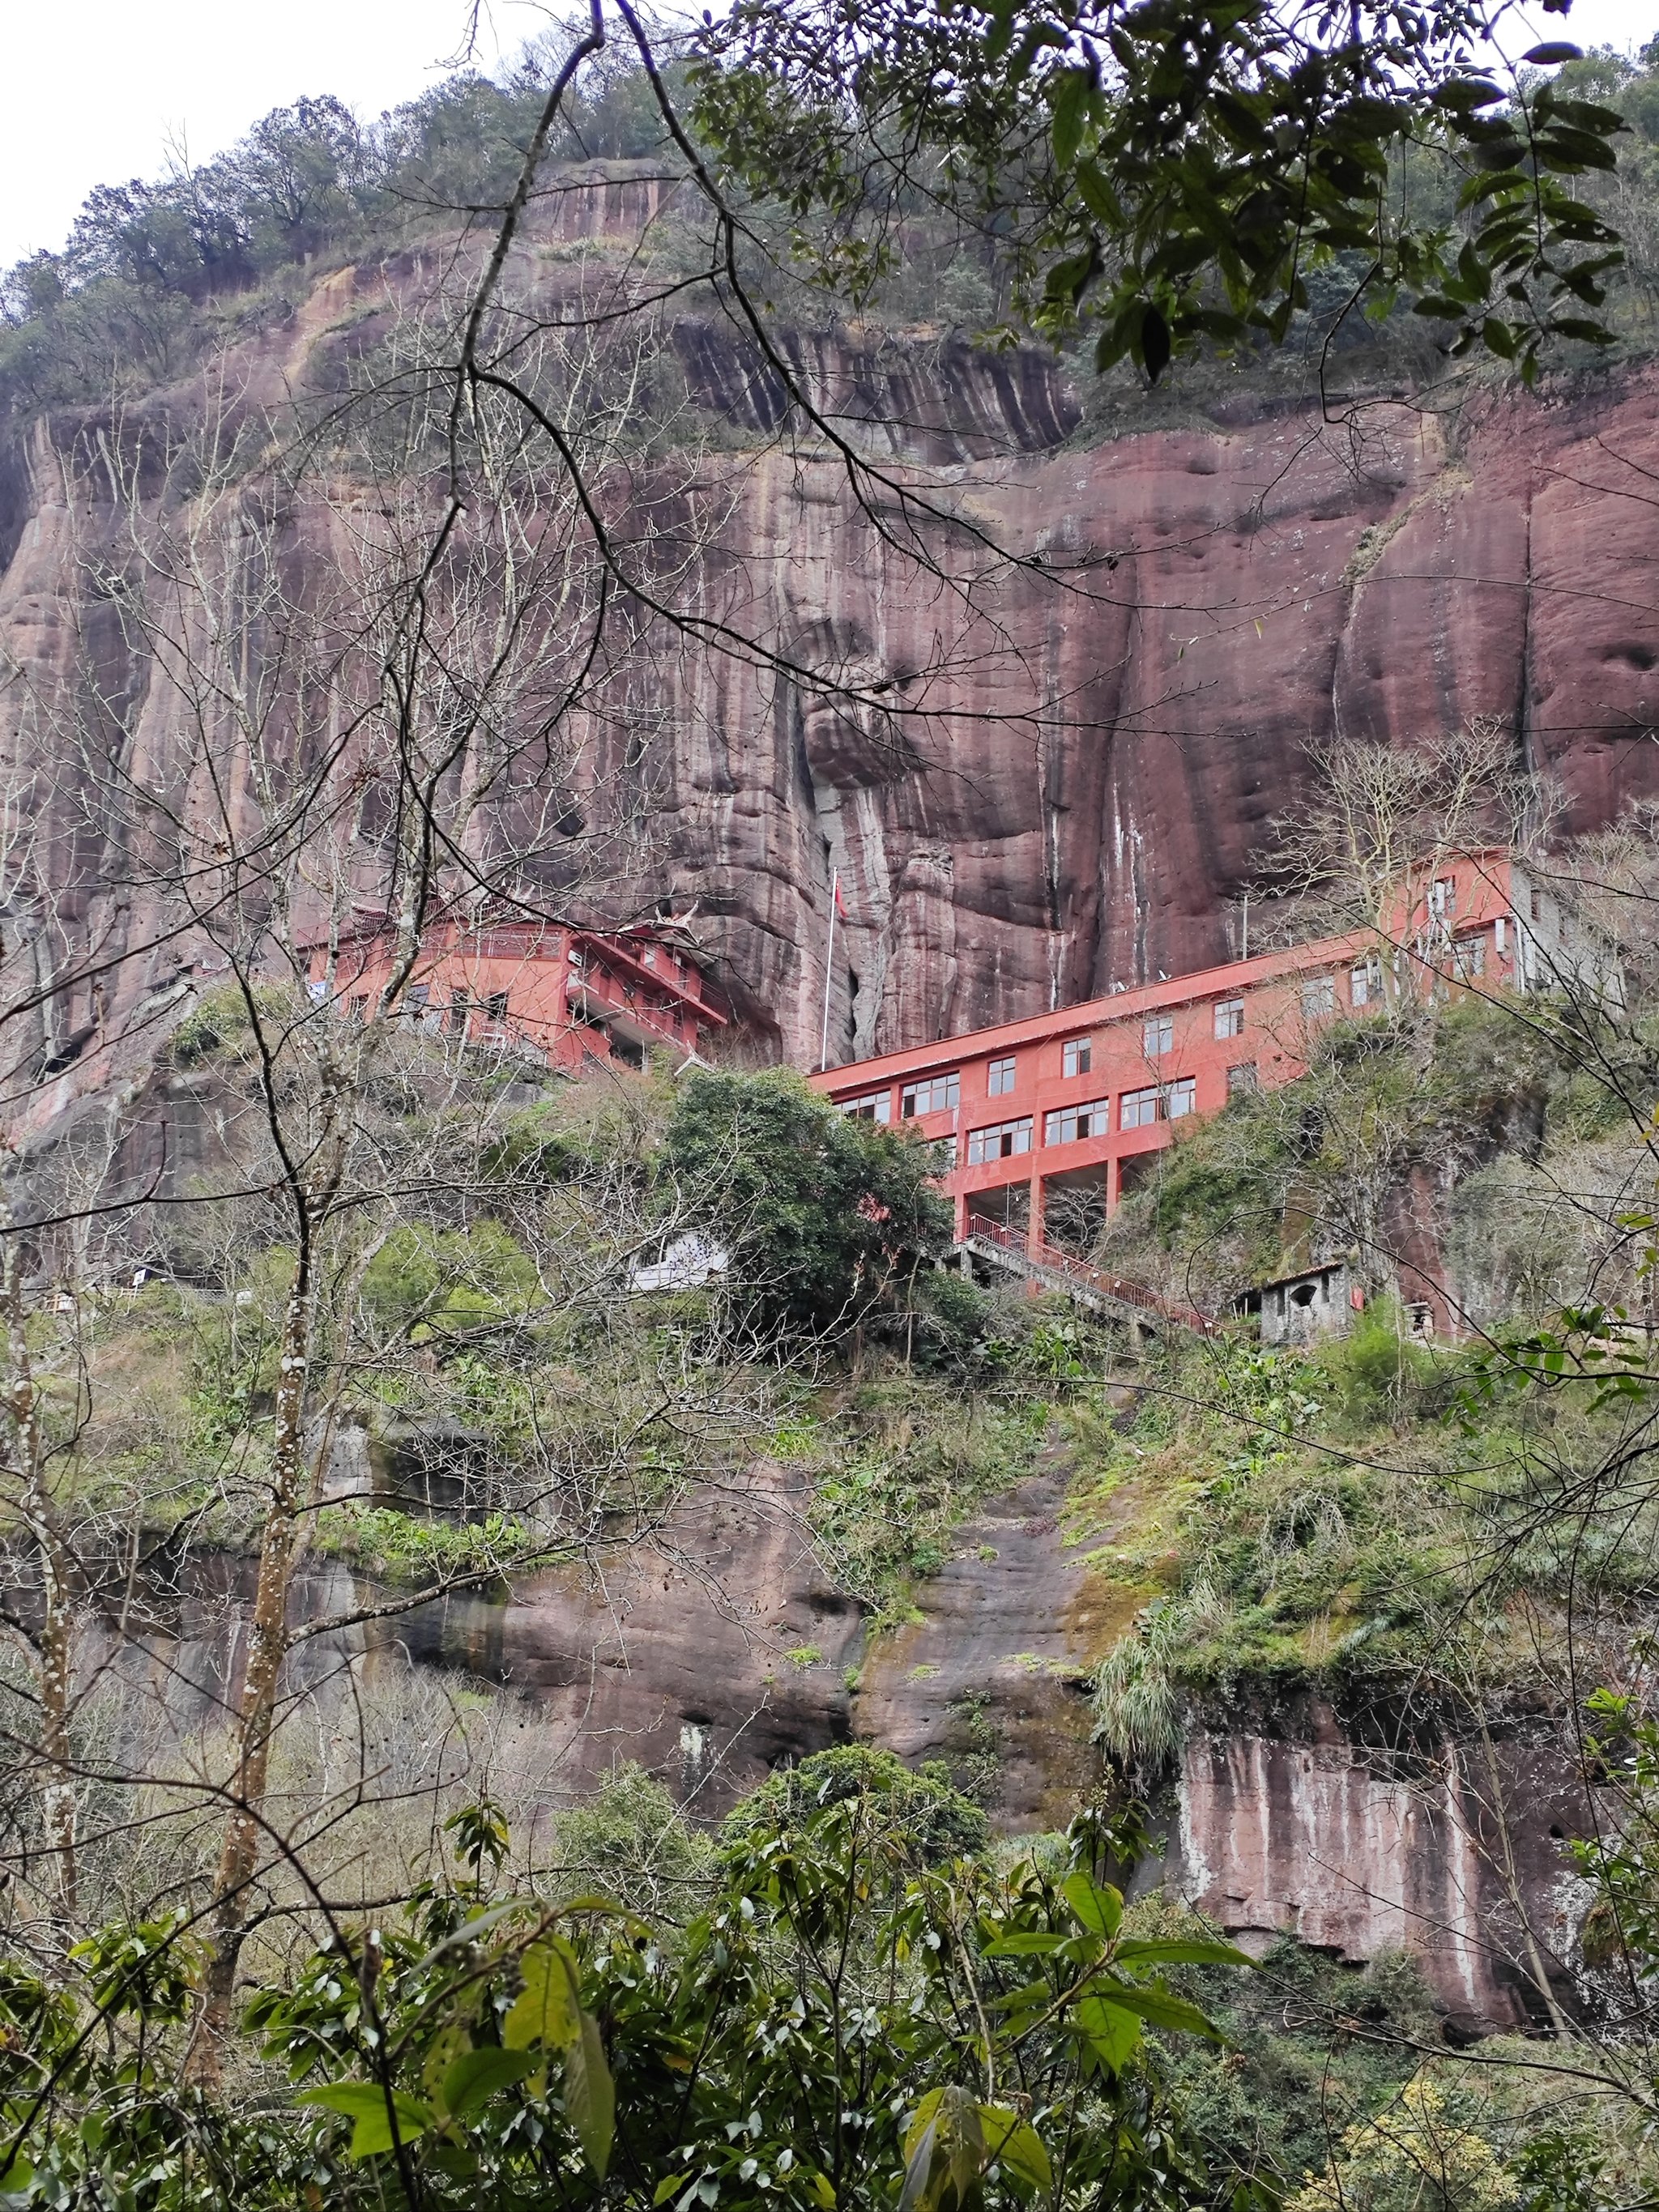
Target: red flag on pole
(841, 903)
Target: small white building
(689, 1263)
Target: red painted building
(569, 996)
(1079, 1099)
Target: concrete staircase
(1012, 1252)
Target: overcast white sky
(93, 91)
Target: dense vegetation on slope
(154, 271)
(1402, 1529)
(481, 2001)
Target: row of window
(1071, 1124)
(939, 1094)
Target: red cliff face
(1099, 696)
(1093, 764)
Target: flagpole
(829, 969)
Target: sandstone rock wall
(1098, 688)
(717, 1649)
(1455, 1855)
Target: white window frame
(910, 1106)
(873, 1106)
(1365, 982)
(1001, 1076)
(1157, 1036)
(1169, 1101)
(1318, 997)
(1077, 1055)
(1018, 1133)
(1060, 1124)
(1469, 955)
(1229, 1018)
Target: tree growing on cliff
(1173, 176)
(394, 738)
(827, 1216)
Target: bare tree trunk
(239, 1857)
(53, 1645)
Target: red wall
(636, 987)
(1274, 1039)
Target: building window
(1000, 1142)
(1163, 1101)
(1230, 1018)
(944, 1151)
(1241, 1078)
(1078, 1055)
(1443, 897)
(1067, 1125)
(934, 1094)
(1002, 1078)
(1157, 1035)
(1469, 956)
(1318, 997)
(874, 1106)
(495, 1007)
(357, 1010)
(415, 999)
(1365, 984)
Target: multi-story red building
(570, 996)
(1080, 1099)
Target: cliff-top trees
(1172, 175)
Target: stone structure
(1297, 1309)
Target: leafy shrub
(825, 1215)
(220, 1018)
(952, 1322)
(1375, 1372)
(1424, 2152)
(922, 1810)
(630, 1841)
(425, 1281)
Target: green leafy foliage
(1179, 175)
(922, 1816)
(802, 2038)
(827, 1216)
(151, 271)
(426, 1283)
(898, 1461)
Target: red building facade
(569, 997)
(1079, 1099)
